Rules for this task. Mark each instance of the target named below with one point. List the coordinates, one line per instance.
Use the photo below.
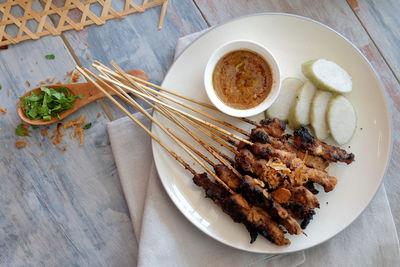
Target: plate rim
(381, 91)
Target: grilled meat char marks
(301, 202)
(301, 195)
(262, 136)
(246, 161)
(304, 140)
(274, 127)
(255, 219)
(283, 190)
(296, 165)
(252, 191)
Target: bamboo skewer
(212, 150)
(101, 68)
(169, 107)
(167, 115)
(162, 16)
(136, 85)
(179, 159)
(129, 100)
(201, 128)
(146, 83)
(220, 135)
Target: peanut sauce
(242, 79)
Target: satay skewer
(244, 212)
(285, 221)
(266, 226)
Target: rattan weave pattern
(31, 19)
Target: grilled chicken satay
(307, 200)
(256, 220)
(256, 195)
(274, 127)
(296, 165)
(261, 135)
(262, 168)
(304, 140)
(304, 199)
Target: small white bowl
(242, 45)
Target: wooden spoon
(89, 91)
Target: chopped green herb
(51, 56)
(48, 104)
(34, 127)
(1, 86)
(87, 126)
(22, 130)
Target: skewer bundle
(266, 182)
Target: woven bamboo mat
(22, 20)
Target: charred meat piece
(320, 177)
(274, 127)
(310, 186)
(250, 188)
(277, 212)
(307, 219)
(255, 219)
(301, 172)
(256, 195)
(304, 140)
(303, 196)
(261, 168)
(213, 190)
(261, 135)
(227, 176)
(245, 160)
(267, 151)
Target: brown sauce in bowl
(242, 79)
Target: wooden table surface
(67, 208)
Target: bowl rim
(234, 45)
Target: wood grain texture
(60, 208)
(381, 20)
(340, 16)
(136, 42)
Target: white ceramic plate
(292, 40)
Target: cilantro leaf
(87, 126)
(49, 103)
(51, 56)
(22, 130)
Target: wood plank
(339, 16)
(381, 21)
(136, 42)
(60, 208)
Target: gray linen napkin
(166, 238)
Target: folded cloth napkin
(165, 238)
